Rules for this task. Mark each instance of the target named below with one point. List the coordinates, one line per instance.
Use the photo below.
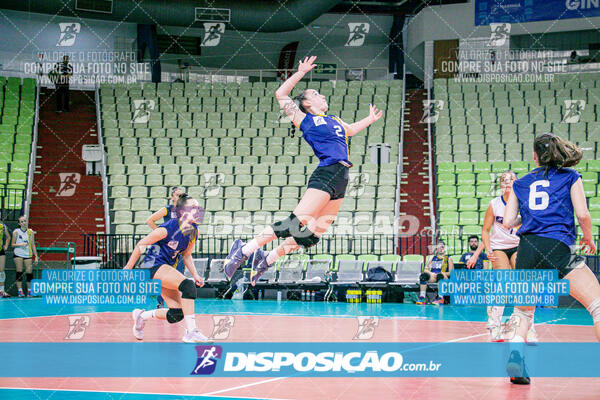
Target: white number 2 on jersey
(534, 195)
(338, 131)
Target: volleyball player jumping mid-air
(546, 199)
(501, 247)
(165, 245)
(327, 135)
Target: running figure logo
(222, 326)
(573, 110)
(357, 183)
(77, 326)
(500, 32)
(207, 359)
(68, 183)
(358, 33)
(431, 111)
(212, 34)
(213, 183)
(68, 33)
(366, 328)
(141, 114)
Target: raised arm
(374, 116)
(283, 93)
(151, 221)
(583, 216)
(511, 211)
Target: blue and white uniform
(548, 230)
(170, 214)
(168, 251)
(326, 135)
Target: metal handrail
(33, 155)
(102, 162)
(400, 167)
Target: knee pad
(174, 315)
(424, 278)
(594, 309)
(19, 276)
(187, 289)
(287, 227)
(306, 238)
(439, 277)
(29, 277)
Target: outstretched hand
(374, 113)
(307, 64)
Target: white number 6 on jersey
(534, 195)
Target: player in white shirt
(23, 242)
(501, 248)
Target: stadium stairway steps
(64, 218)
(414, 186)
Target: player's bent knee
(424, 278)
(439, 277)
(594, 309)
(174, 315)
(287, 227)
(187, 289)
(306, 239)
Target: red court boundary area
(116, 327)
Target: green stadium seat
(468, 204)
(465, 191)
(447, 191)
(448, 218)
(446, 179)
(447, 204)
(469, 218)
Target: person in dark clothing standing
(62, 72)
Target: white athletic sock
(273, 256)
(190, 322)
(148, 314)
(422, 293)
(250, 247)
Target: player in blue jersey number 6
(546, 199)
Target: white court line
(128, 392)
(246, 385)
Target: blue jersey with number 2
(545, 203)
(327, 137)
